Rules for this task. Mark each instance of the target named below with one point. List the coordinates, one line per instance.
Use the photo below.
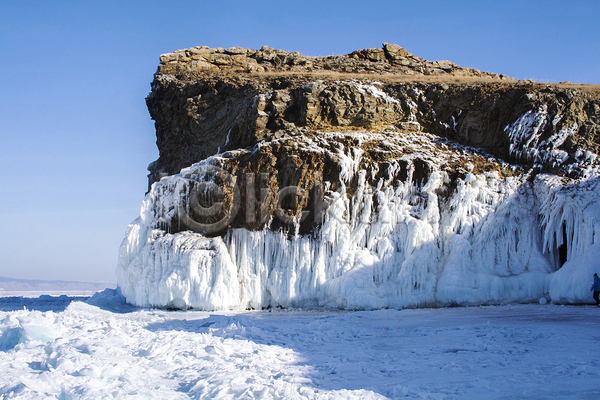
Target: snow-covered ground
(104, 348)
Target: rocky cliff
(367, 180)
(206, 101)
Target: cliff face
(368, 180)
(206, 101)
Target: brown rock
(395, 52)
(203, 101)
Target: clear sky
(75, 134)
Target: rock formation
(373, 179)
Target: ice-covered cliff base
(387, 235)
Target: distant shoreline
(41, 287)
(37, 294)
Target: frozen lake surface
(103, 348)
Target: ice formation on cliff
(525, 134)
(493, 240)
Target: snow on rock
(526, 143)
(392, 243)
(373, 90)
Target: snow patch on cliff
(372, 89)
(526, 134)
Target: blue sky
(75, 134)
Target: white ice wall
(490, 242)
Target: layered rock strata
(200, 110)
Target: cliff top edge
(390, 59)
(389, 63)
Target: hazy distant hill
(21, 285)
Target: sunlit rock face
(376, 179)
